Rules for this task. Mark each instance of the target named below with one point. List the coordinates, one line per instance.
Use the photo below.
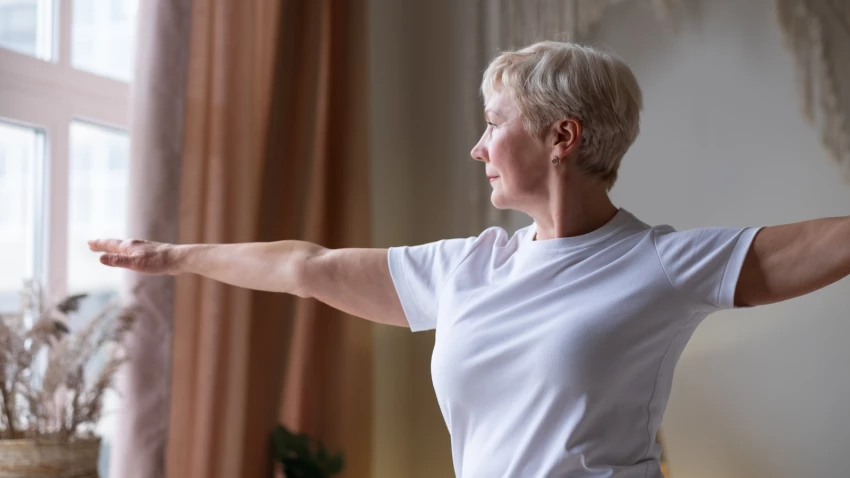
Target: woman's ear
(567, 137)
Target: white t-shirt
(555, 358)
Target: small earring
(555, 160)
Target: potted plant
(302, 457)
(51, 392)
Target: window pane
(97, 201)
(103, 36)
(26, 26)
(98, 177)
(21, 157)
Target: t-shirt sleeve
(419, 274)
(704, 264)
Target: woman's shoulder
(499, 237)
(497, 241)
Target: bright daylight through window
(65, 72)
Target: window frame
(48, 96)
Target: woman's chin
(498, 200)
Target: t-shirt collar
(607, 230)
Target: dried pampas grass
(44, 389)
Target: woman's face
(516, 162)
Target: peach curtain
(223, 383)
(274, 148)
(328, 390)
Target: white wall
(415, 148)
(760, 392)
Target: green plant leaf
(286, 443)
(322, 454)
(295, 453)
(279, 448)
(335, 464)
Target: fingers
(115, 260)
(105, 245)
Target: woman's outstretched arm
(356, 281)
(791, 260)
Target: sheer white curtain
(157, 99)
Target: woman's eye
(491, 124)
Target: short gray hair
(551, 81)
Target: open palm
(147, 257)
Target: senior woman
(555, 346)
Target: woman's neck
(575, 216)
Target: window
(65, 69)
(26, 27)
(102, 35)
(21, 160)
(97, 202)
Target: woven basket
(49, 459)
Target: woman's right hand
(147, 257)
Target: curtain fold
(224, 381)
(274, 148)
(328, 386)
(157, 98)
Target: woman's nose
(478, 153)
